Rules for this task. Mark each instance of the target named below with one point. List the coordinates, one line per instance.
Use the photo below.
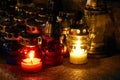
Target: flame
(31, 54)
(77, 50)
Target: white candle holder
(77, 42)
(78, 55)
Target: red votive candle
(31, 64)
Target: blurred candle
(31, 64)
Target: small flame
(31, 55)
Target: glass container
(51, 49)
(78, 45)
(100, 28)
(77, 42)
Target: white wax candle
(78, 57)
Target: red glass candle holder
(31, 63)
(30, 58)
(26, 49)
(51, 51)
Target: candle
(78, 55)
(78, 58)
(31, 64)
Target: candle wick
(31, 61)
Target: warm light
(75, 31)
(31, 64)
(31, 54)
(78, 50)
(29, 50)
(78, 55)
(91, 3)
(65, 49)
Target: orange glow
(31, 54)
(78, 50)
(31, 64)
(78, 55)
(30, 46)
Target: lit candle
(78, 55)
(31, 64)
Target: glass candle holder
(78, 54)
(31, 64)
(51, 51)
(77, 42)
(30, 58)
(101, 28)
(25, 50)
(30, 42)
(30, 53)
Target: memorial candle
(78, 55)
(31, 64)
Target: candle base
(34, 66)
(31, 69)
(78, 61)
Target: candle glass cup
(77, 42)
(31, 66)
(30, 58)
(25, 50)
(51, 52)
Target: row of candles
(31, 63)
(76, 50)
(42, 49)
(33, 57)
(77, 55)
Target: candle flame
(77, 49)
(31, 54)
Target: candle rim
(25, 63)
(26, 59)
